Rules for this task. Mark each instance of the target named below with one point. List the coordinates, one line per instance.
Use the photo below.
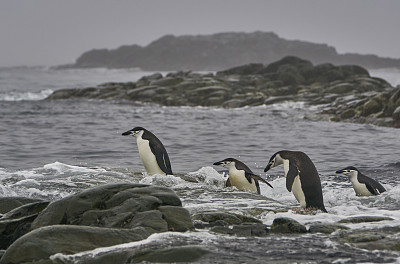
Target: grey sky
(51, 32)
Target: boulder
(287, 225)
(229, 218)
(9, 203)
(102, 216)
(246, 230)
(364, 219)
(117, 206)
(17, 222)
(37, 246)
(326, 228)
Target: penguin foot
(304, 211)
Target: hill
(221, 51)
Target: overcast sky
(52, 32)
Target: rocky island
(339, 93)
(221, 51)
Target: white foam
(62, 168)
(25, 96)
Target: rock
(396, 117)
(326, 228)
(230, 218)
(171, 254)
(17, 222)
(344, 92)
(258, 230)
(248, 69)
(38, 245)
(349, 113)
(246, 230)
(177, 218)
(9, 203)
(364, 219)
(287, 225)
(341, 88)
(102, 216)
(371, 106)
(116, 206)
(222, 230)
(385, 238)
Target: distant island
(221, 51)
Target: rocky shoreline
(113, 214)
(337, 93)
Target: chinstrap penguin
(241, 176)
(301, 178)
(152, 152)
(363, 185)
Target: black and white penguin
(152, 152)
(241, 176)
(301, 178)
(363, 185)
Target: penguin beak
(218, 163)
(127, 133)
(340, 171)
(268, 167)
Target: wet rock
(222, 230)
(326, 228)
(17, 222)
(101, 216)
(341, 88)
(396, 117)
(172, 254)
(115, 205)
(287, 225)
(386, 238)
(37, 246)
(9, 203)
(288, 79)
(371, 107)
(248, 69)
(230, 218)
(363, 219)
(247, 230)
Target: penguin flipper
(372, 186)
(292, 173)
(228, 183)
(256, 177)
(371, 189)
(161, 157)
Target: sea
(52, 149)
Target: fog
(48, 32)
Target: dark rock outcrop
(343, 93)
(287, 225)
(102, 216)
(17, 222)
(221, 51)
(9, 203)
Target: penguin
(363, 185)
(152, 152)
(301, 178)
(241, 176)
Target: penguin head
(136, 132)
(226, 163)
(274, 161)
(348, 171)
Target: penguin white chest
(238, 179)
(298, 192)
(148, 158)
(359, 188)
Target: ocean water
(51, 149)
